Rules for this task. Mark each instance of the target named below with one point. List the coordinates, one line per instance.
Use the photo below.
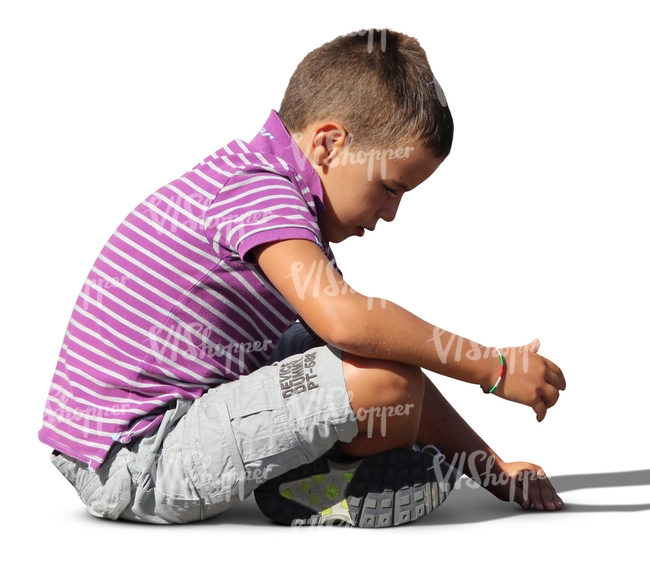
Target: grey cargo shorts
(211, 453)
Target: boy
(164, 407)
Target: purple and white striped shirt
(175, 304)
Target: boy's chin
(339, 235)
(342, 237)
(358, 232)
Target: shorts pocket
(257, 418)
(261, 434)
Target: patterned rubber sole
(387, 489)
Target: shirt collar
(274, 138)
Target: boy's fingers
(554, 379)
(534, 489)
(537, 499)
(547, 498)
(546, 495)
(546, 399)
(527, 486)
(557, 372)
(525, 499)
(540, 410)
(550, 396)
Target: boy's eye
(389, 191)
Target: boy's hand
(523, 483)
(531, 379)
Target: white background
(535, 226)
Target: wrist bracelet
(501, 373)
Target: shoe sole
(388, 489)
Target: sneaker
(388, 489)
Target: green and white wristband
(501, 373)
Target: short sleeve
(254, 208)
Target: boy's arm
(378, 329)
(318, 339)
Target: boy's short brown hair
(378, 85)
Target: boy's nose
(389, 212)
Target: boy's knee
(386, 398)
(396, 389)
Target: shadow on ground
(468, 505)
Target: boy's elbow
(337, 336)
(328, 331)
(343, 329)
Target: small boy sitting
(166, 405)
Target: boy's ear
(329, 140)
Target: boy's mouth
(360, 231)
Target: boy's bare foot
(523, 483)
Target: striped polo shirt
(175, 304)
